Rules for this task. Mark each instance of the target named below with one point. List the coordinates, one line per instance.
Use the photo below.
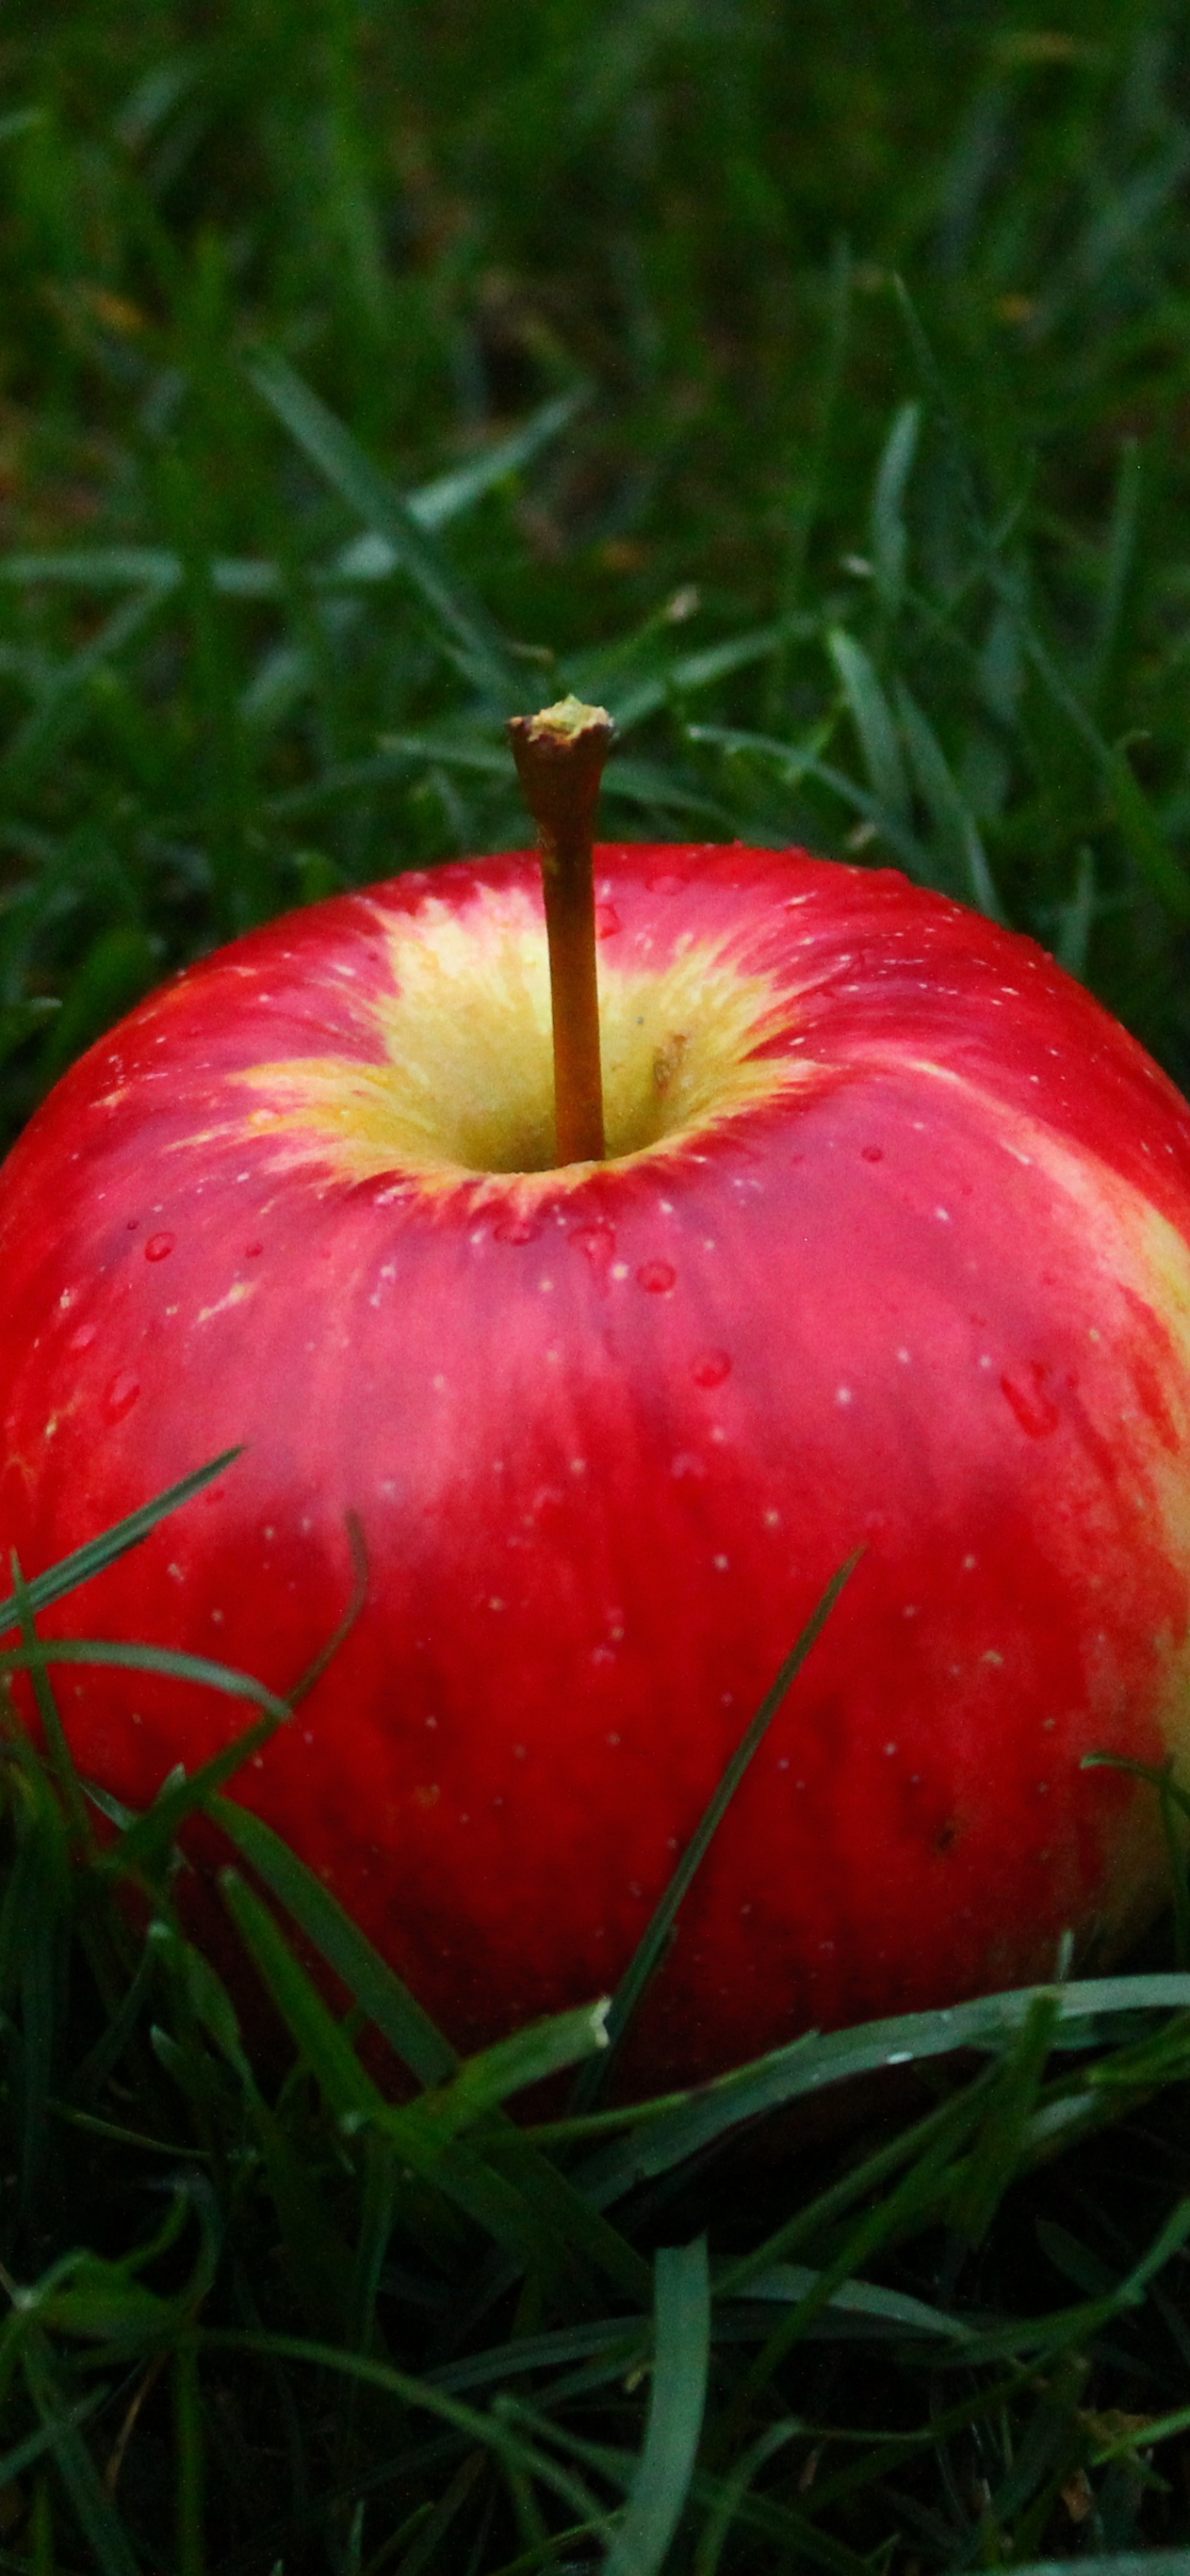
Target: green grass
(327, 2305)
(809, 385)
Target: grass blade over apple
(888, 1247)
(660, 1933)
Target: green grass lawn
(809, 384)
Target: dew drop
(607, 920)
(872, 1153)
(120, 1395)
(516, 1229)
(668, 882)
(82, 1337)
(598, 1242)
(252, 1251)
(159, 1247)
(710, 1368)
(657, 1276)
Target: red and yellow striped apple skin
(909, 1271)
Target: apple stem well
(560, 755)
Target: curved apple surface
(891, 1249)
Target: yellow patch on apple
(466, 1084)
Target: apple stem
(559, 756)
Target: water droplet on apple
(82, 1337)
(657, 1277)
(668, 882)
(872, 1153)
(516, 1229)
(252, 1251)
(120, 1395)
(159, 1247)
(598, 1242)
(710, 1368)
(607, 920)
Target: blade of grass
(725, 2511)
(590, 2237)
(954, 822)
(907, 2204)
(491, 2201)
(652, 1947)
(435, 504)
(319, 2260)
(422, 2048)
(889, 533)
(338, 457)
(794, 760)
(619, 2339)
(148, 1659)
(24, 2455)
(492, 2433)
(485, 2082)
(144, 1845)
(792, 2531)
(101, 2524)
(1143, 836)
(646, 785)
(874, 723)
(320, 2037)
(814, 2063)
(1068, 2328)
(439, 2518)
(688, 672)
(819, 2219)
(366, 559)
(995, 2156)
(97, 567)
(347, 1951)
(881, 2309)
(1077, 916)
(99, 1553)
(681, 2361)
(802, 761)
(54, 1732)
(64, 705)
(1118, 573)
(1174, 1803)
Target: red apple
(892, 1247)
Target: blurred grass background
(810, 383)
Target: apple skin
(892, 1251)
